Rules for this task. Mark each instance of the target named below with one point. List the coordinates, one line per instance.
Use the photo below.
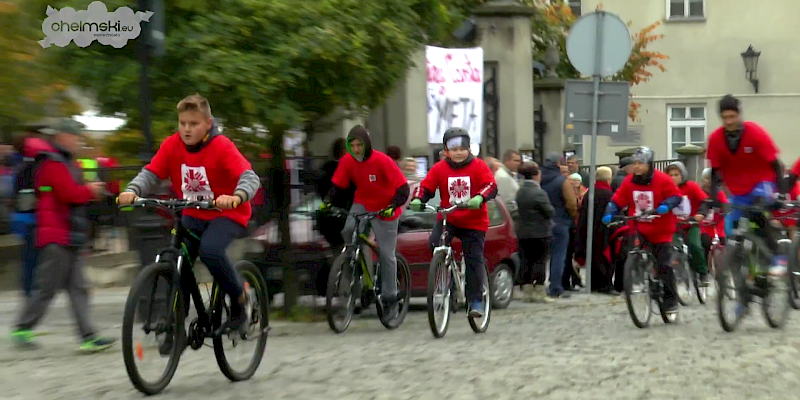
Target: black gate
(491, 122)
(539, 129)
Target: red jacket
(60, 215)
(460, 185)
(750, 165)
(640, 198)
(376, 180)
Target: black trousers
(534, 252)
(570, 277)
(663, 253)
(472, 247)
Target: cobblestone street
(580, 348)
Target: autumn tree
(551, 26)
(30, 86)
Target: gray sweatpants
(386, 236)
(58, 268)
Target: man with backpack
(59, 198)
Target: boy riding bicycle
(379, 186)
(460, 178)
(204, 165)
(644, 190)
(692, 206)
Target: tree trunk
(291, 287)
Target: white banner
(455, 91)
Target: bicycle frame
(445, 246)
(358, 239)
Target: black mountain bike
(352, 278)
(163, 318)
(742, 278)
(640, 269)
(446, 283)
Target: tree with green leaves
(272, 65)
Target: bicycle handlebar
(343, 212)
(174, 204)
(445, 210)
(622, 219)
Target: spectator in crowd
(563, 169)
(442, 155)
(565, 203)
(574, 167)
(506, 178)
(625, 169)
(395, 154)
(602, 267)
(572, 278)
(409, 168)
(533, 232)
(493, 163)
(61, 232)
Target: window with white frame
(577, 145)
(575, 6)
(686, 125)
(686, 9)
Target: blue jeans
(26, 229)
(765, 190)
(558, 255)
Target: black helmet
(453, 133)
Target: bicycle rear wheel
(341, 283)
(702, 291)
(480, 325)
(440, 281)
(257, 331)
(731, 289)
(684, 281)
(164, 328)
(404, 293)
(637, 272)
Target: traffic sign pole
(598, 62)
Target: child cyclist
(693, 205)
(204, 165)
(461, 178)
(647, 189)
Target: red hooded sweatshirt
(640, 198)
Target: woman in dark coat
(602, 267)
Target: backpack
(24, 193)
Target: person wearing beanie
(743, 154)
(462, 179)
(380, 186)
(694, 206)
(625, 169)
(650, 190)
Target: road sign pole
(598, 74)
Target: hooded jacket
(379, 182)
(203, 171)
(61, 212)
(561, 194)
(692, 194)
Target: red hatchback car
(414, 229)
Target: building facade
(704, 40)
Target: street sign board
(614, 47)
(612, 118)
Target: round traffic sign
(599, 31)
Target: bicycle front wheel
(250, 346)
(731, 289)
(340, 298)
(440, 282)
(794, 275)
(636, 277)
(161, 323)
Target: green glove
(416, 205)
(475, 202)
(387, 212)
(324, 206)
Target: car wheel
(502, 286)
